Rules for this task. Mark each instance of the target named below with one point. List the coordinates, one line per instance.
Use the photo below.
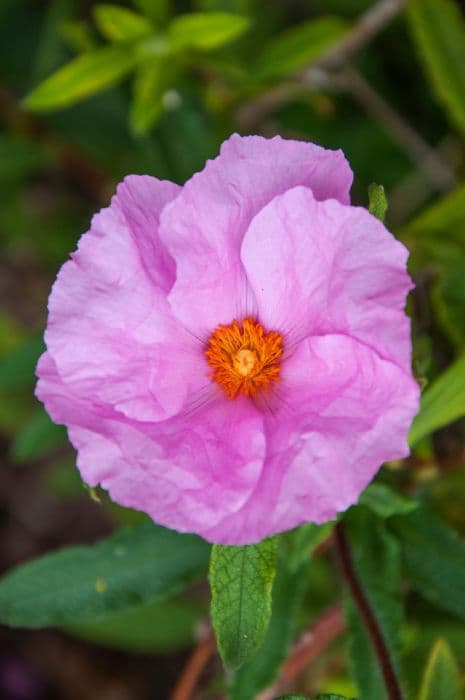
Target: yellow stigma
(244, 357)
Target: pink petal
(111, 331)
(204, 227)
(322, 267)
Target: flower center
(244, 357)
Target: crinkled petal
(204, 227)
(323, 267)
(189, 483)
(339, 413)
(110, 329)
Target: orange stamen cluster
(244, 357)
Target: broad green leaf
(376, 560)
(36, 437)
(433, 557)
(385, 502)
(17, 367)
(206, 30)
(76, 584)
(120, 24)
(146, 628)
(298, 47)
(288, 591)
(84, 76)
(150, 83)
(438, 28)
(441, 680)
(241, 582)
(377, 202)
(441, 403)
(330, 696)
(443, 219)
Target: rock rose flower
(232, 356)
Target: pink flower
(232, 356)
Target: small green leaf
(84, 76)
(288, 591)
(377, 202)
(120, 24)
(241, 581)
(433, 557)
(442, 402)
(385, 502)
(36, 437)
(298, 47)
(206, 30)
(439, 31)
(150, 83)
(441, 680)
(77, 584)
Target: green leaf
(385, 502)
(36, 437)
(288, 591)
(206, 30)
(121, 24)
(135, 565)
(84, 76)
(433, 556)
(331, 696)
(442, 403)
(438, 28)
(377, 202)
(147, 628)
(441, 680)
(298, 47)
(241, 581)
(376, 560)
(150, 83)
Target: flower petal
(322, 267)
(110, 329)
(204, 227)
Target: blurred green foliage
(90, 92)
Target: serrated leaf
(84, 76)
(385, 502)
(288, 591)
(441, 403)
(298, 47)
(441, 680)
(377, 202)
(439, 31)
(76, 584)
(118, 23)
(206, 30)
(150, 83)
(433, 556)
(241, 582)
(376, 560)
